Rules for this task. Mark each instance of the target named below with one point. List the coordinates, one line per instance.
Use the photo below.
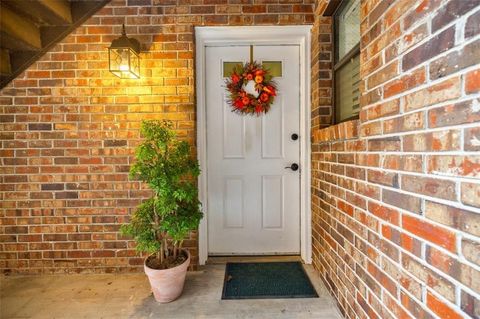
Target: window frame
(337, 64)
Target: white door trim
(266, 35)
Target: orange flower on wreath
(264, 97)
(235, 78)
(258, 79)
(238, 104)
(270, 90)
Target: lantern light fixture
(124, 57)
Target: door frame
(256, 35)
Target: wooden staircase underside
(29, 28)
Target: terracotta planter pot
(167, 284)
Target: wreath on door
(251, 89)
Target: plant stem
(165, 246)
(158, 235)
(160, 253)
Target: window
(229, 66)
(347, 61)
(274, 68)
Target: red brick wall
(396, 195)
(69, 128)
(321, 72)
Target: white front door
(253, 199)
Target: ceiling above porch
(28, 29)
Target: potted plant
(160, 224)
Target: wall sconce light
(124, 57)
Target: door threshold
(215, 260)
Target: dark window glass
(347, 61)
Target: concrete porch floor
(129, 296)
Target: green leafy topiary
(160, 224)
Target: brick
(371, 65)
(465, 274)
(403, 201)
(7, 118)
(434, 187)
(429, 277)
(16, 230)
(66, 195)
(469, 304)
(55, 186)
(470, 194)
(472, 27)
(379, 307)
(438, 44)
(366, 307)
(368, 190)
(472, 81)
(441, 308)
(383, 178)
(383, 109)
(449, 165)
(394, 307)
(430, 232)
(471, 139)
(202, 9)
(302, 8)
(410, 163)
(370, 129)
(368, 280)
(266, 19)
(405, 82)
(461, 219)
(388, 214)
(414, 307)
(403, 240)
(441, 92)
(384, 144)
(432, 142)
(471, 250)
(114, 143)
(459, 113)
(413, 37)
(461, 59)
(379, 10)
(254, 9)
(405, 280)
(66, 161)
(450, 12)
(383, 279)
(383, 75)
(410, 122)
(40, 127)
(371, 97)
(139, 2)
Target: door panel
(233, 133)
(233, 202)
(273, 131)
(272, 202)
(253, 201)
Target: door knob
(293, 167)
(294, 136)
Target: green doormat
(267, 281)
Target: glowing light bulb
(124, 65)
